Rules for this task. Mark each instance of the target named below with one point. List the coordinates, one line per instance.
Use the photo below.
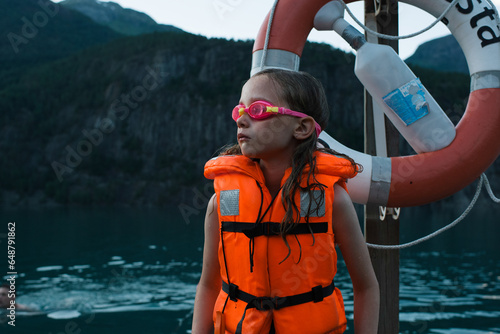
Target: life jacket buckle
(233, 292)
(317, 294)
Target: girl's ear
(305, 128)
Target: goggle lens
(257, 110)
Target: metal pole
(383, 14)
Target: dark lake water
(135, 271)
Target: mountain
(133, 121)
(130, 121)
(122, 20)
(441, 54)
(39, 31)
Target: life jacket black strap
(317, 294)
(270, 228)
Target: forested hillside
(35, 32)
(130, 121)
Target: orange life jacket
(260, 283)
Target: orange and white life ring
(427, 177)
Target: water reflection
(438, 291)
(104, 269)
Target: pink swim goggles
(262, 110)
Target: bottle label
(408, 102)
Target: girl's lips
(242, 137)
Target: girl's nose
(243, 121)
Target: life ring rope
(483, 181)
(489, 190)
(392, 37)
(268, 33)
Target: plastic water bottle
(391, 83)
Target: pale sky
(241, 20)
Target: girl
(279, 208)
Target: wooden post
(377, 231)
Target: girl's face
(271, 138)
